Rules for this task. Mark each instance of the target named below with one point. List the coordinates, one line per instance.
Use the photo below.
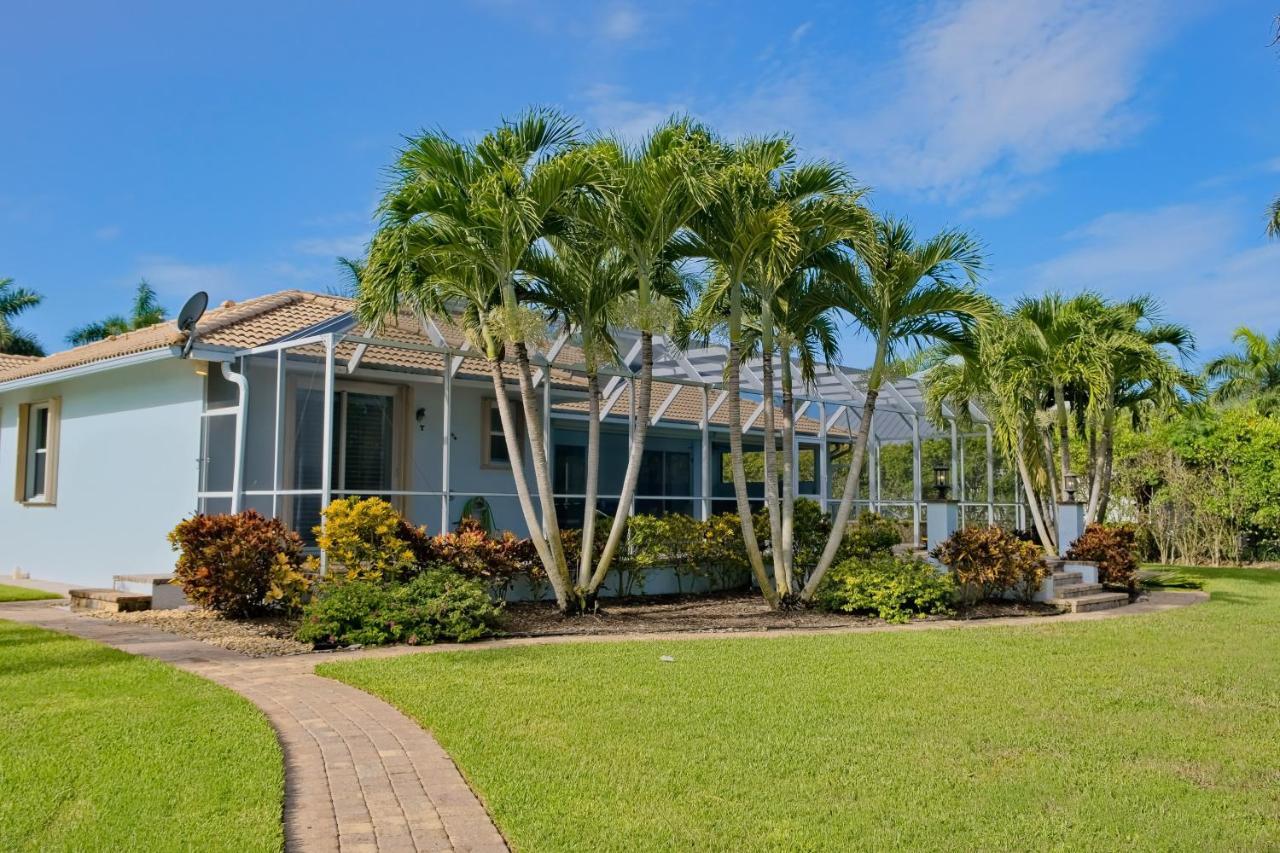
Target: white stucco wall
(126, 474)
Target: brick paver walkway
(359, 775)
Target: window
(37, 452)
(493, 446)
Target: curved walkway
(359, 775)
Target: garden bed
(730, 611)
(272, 636)
(267, 636)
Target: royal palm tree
(146, 311)
(458, 225)
(1252, 373)
(905, 295)
(13, 301)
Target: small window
(37, 452)
(493, 446)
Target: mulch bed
(731, 611)
(272, 636)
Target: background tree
(146, 311)
(1250, 373)
(13, 301)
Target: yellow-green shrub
(362, 539)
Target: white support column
(277, 468)
(917, 476)
(873, 467)
(546, 421)
(706, 453)
(795, 448)
(991, 479)
(824, 487)
(955, 462)
(326, 442)
(446, 445)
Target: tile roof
(9, 362)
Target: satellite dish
(189, 316)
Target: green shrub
(240, 564)
(869, 534)
(896, 589)
(990, 561)
(710, 549)
(437, 604)
(1113, 548)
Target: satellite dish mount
(189, 316)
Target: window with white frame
(37, 452)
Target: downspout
(242, 424)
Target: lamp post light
(941, 480)
(1071, 483)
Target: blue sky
(238, 148)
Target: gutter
(206, 354)
(242, 385)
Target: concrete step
(1067, 579)
(108, 599)
(1075, 590)
(165, 591)
(1097, 601)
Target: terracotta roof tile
(9, 362)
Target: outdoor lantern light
(1071, 482)
(941, 480)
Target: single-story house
(283, 402)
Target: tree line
(146, 310)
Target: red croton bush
(988, 562)
(1114, 548)
(238, 564)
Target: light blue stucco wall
(127, 471)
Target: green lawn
(1153, 732)
(100, 750)
(22, 593)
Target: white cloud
(1206, 263)
(610, 109)
(621, 23)
(169, 275)
(984, 97)
(108, 232)
(800, 31)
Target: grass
(100, 750)
(1151, 732)
(22, 593)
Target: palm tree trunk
(515, 452)
(1107, 455)
(851, 479)
(788, 467)
(593, 477)
(643, 390)
(734, 370)
(771, 457)
(1047, 538)
(1064, 435)
(542, 475)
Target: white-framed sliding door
(369, 453)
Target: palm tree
(459, 224)
(1252, 373)
(13, 301)
(1139, 354)
(146, 311)
(1273, 219)
(752, 233)
(992, 368)
(905, 294)
(657, 187)
(583, 283)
